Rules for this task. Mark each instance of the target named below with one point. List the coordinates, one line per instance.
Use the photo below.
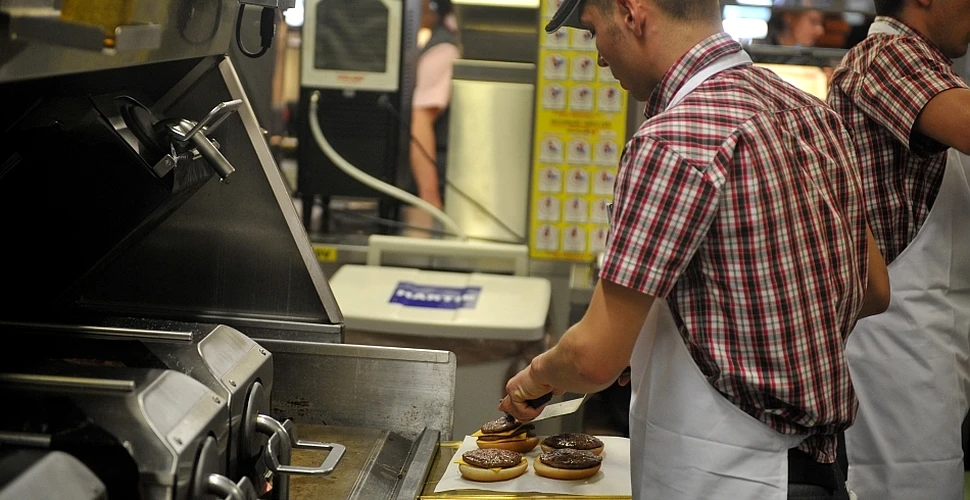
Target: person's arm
(877, 284)
(590, 355)
(946, 118)
(422, 152)
(916, 96)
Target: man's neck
(683, 37)
(916, 19)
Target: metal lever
(287, 442)
(187, 131)
(224, 487)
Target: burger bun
(481, 474)
(523, 446)
(557, 473)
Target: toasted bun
(557, 473)
(520, 446)
(546, 449)
(473, 473)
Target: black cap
(566, 15)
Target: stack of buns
(507, 433)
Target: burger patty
(500, 424)
(490, 458)
(573, 440)
(568, 458)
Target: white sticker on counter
(551, 7)
(577, 181)
(584, 68)
(603, 182)
(547, 238)
(581, 98)
(576, 210)
(435, 297)
(574, 239)
(550, 180)
(557, 40)
(597, 211)
(551, 150)
(554, 97)
(579, 151)
(549, 209)
(608, 100)
(597, 239)
(557, 67)
(607, 153)
(583, 40)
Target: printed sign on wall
(580, 130)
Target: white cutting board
(613, 478)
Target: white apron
(687, 441)
(910, 364)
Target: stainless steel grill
(178, 334)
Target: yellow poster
(580, 130)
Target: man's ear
(925, 4)
(633, 15)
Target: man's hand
(521, 388)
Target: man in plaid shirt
(736, 267)
(909, 114)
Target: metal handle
(287, 441)
(215, 118)
(224, 487)
(216, 160)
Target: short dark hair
(691, 10)
(684, 10)
(889, 7)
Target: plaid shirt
(741, 207)
(882, 85)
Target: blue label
(437, 297)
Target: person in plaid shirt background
(736, 266)
(909, 114)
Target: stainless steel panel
(45, 474)
(236, 253)
(399, 390)
(161, 422)
(490, 151)
(189, 29)
(498, 30)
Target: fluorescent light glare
(746, 29)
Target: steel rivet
(217, 400)
(178, 440)
(262, 351)
(232, 383)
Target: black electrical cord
(267, 30)
(385, 102)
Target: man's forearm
(569, 367)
